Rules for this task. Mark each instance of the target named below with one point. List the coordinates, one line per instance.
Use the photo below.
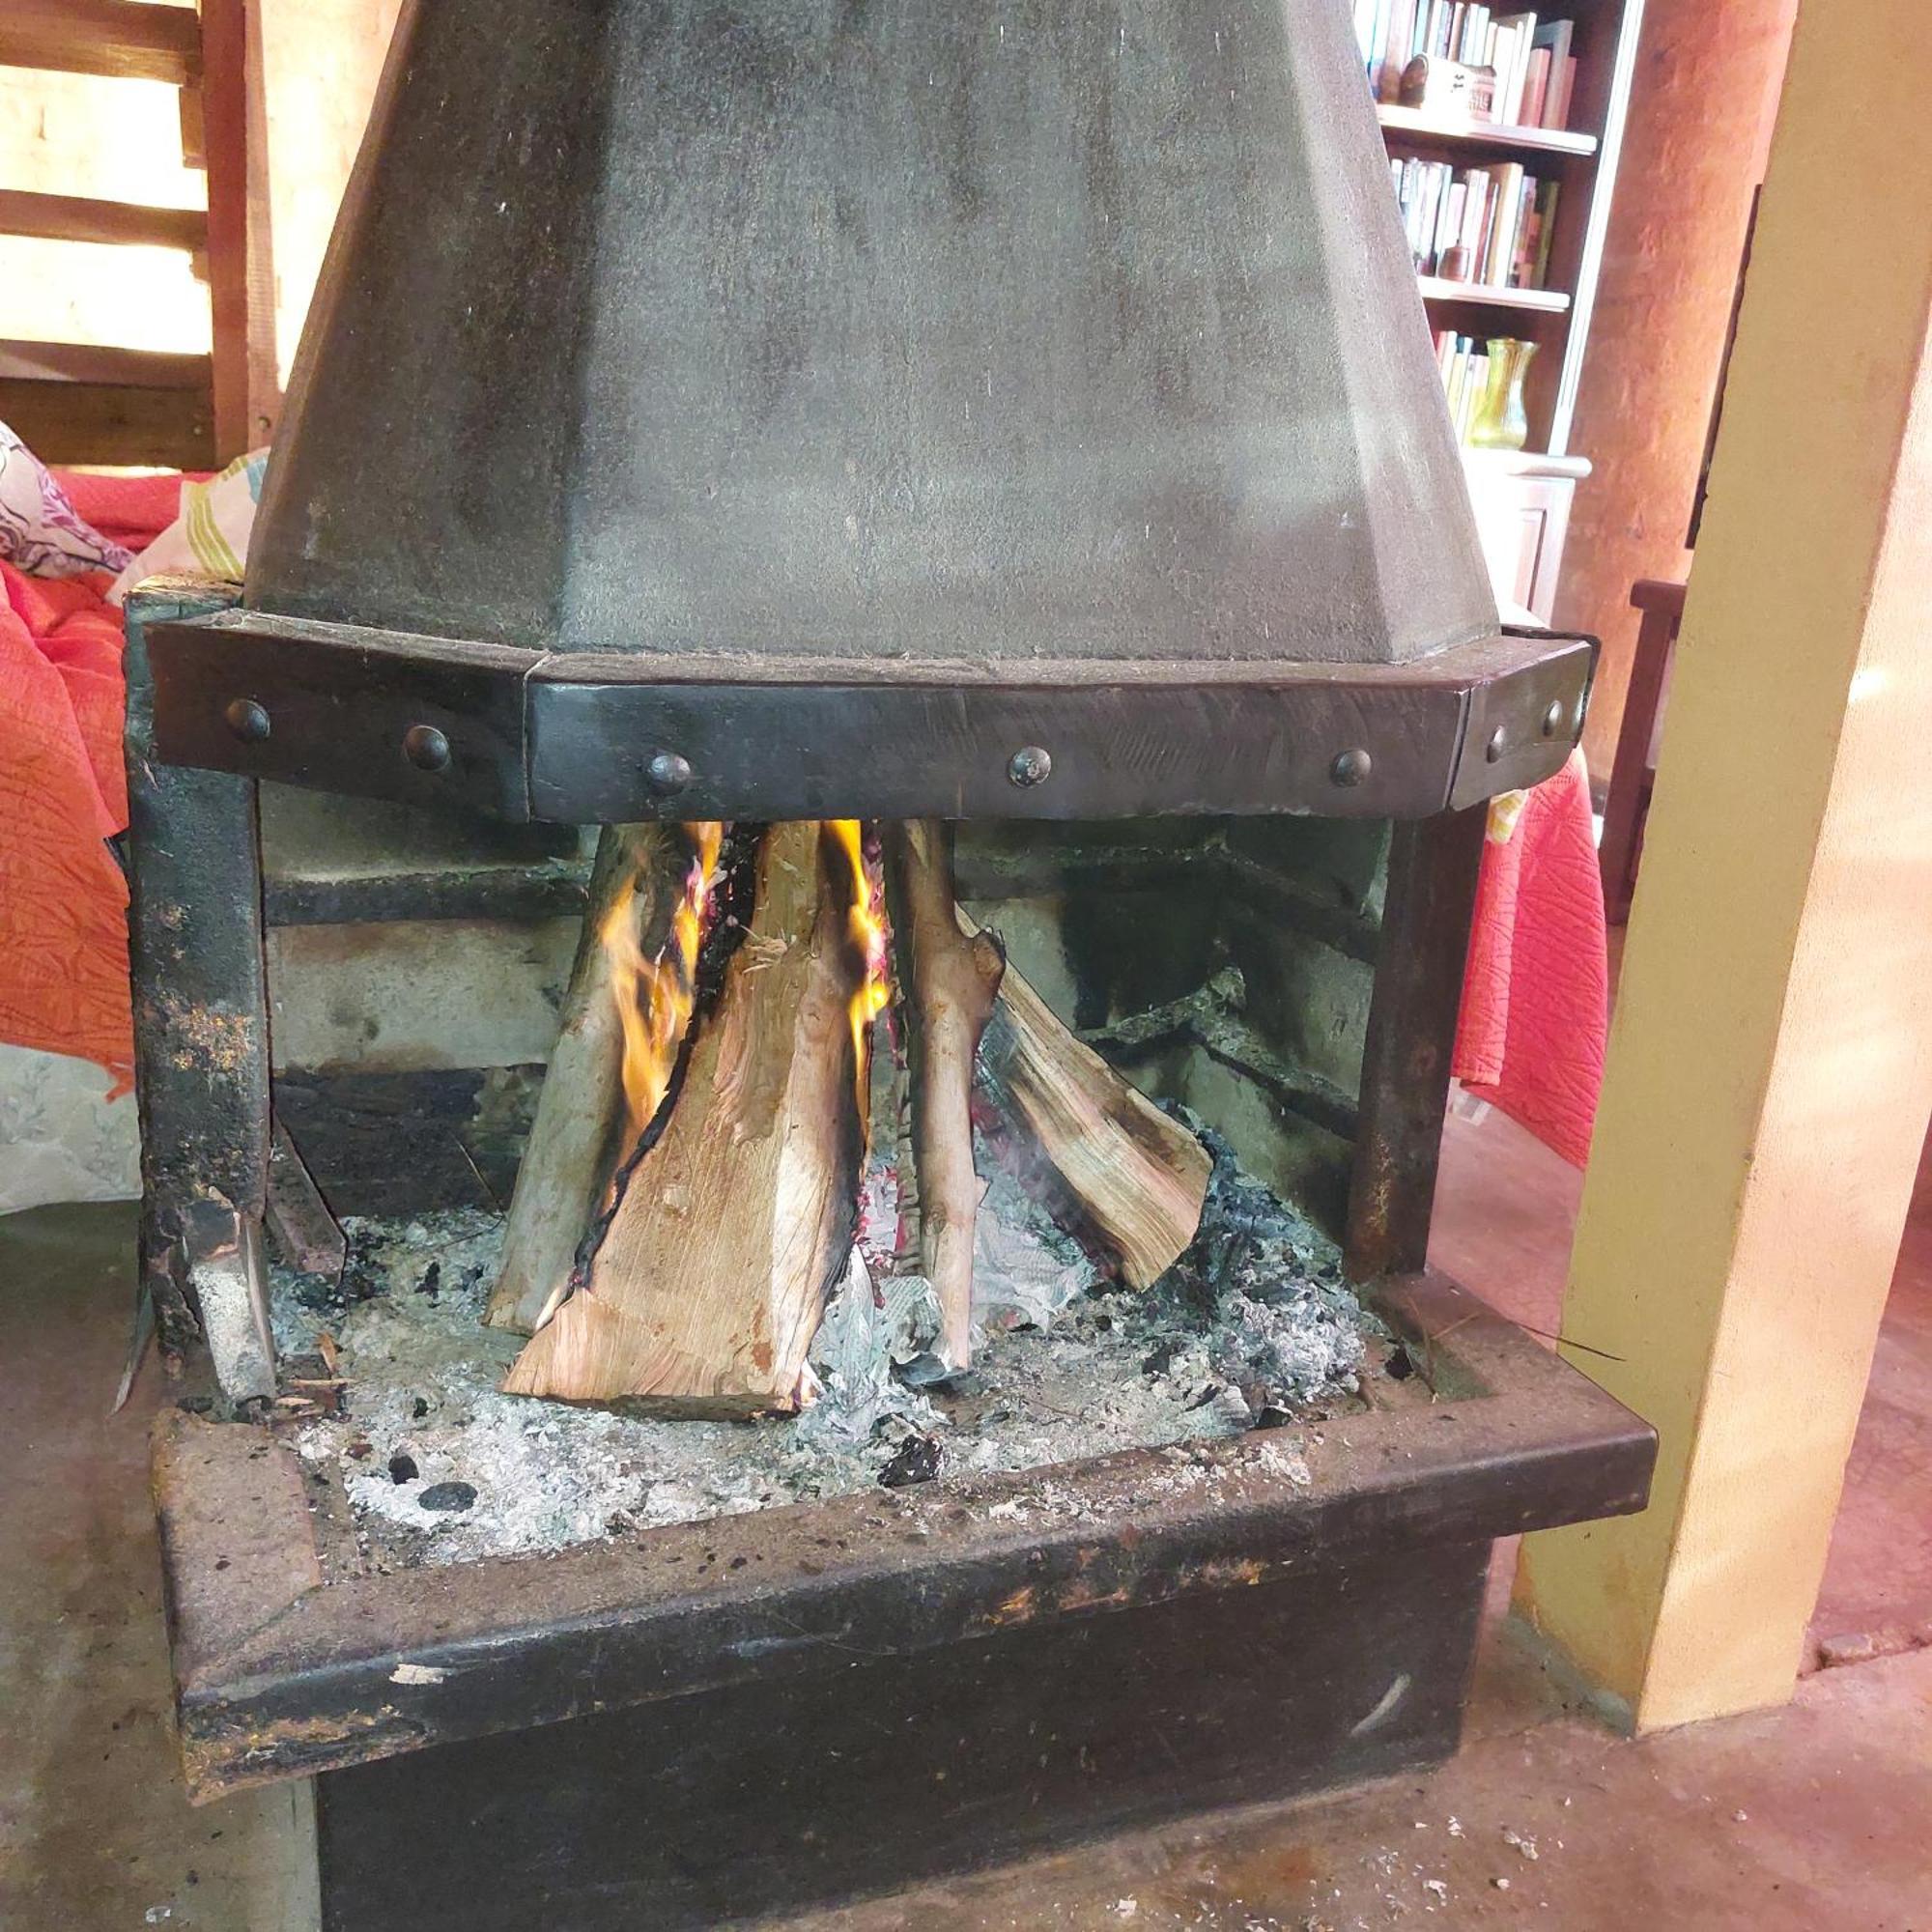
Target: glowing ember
(654, 996)
(867, 924)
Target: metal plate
(881, 1772)
(340, 704)
(573, 738)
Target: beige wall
(111, 140)
(321, 61)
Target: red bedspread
(63, 901)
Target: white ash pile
(1283, 1328)
(1252, 1328)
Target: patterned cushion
(210, 537)
(39, 531)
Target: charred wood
(572, 1150)
(1211, 1020)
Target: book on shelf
(1531, 60)
(1489, 226)
(1557, 39)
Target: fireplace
(1002, 433)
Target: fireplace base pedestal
(861, 1774)
(709, 1721)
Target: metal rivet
(669, 773)
(1352, 767)
(1029, 765)
(1553, 719)
(247, 721)
(426, 747)
(1498, 745)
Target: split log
(712, 1270)
(1096, 1152)
(947, 979)
(1213, 1021)
(574, 1138)
(309, 1237)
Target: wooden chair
(1636, 767)
(74, 403)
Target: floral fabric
(41, 532)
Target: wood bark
(947, 979)
(1095, 1151)
(712, 1274)
(573, 1147)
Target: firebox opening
(1223, 968)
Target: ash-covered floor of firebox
(427, 1462)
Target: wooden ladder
(74, 403)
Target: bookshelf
(1480, 136)
(1539, 301)
(1530, 490)
(1580, 160)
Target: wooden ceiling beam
(72, 218)
(22, 361)
(120, 39)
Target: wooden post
(240, 272)
(1662, 607)
(1770, 1067)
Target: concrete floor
(1812, 1816)
(93, 1830)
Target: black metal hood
(776, 384)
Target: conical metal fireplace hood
(769, 407)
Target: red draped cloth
(63, 793)
(1535, 1015)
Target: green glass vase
(1501, 421)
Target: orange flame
(865, 923)
(654, 997)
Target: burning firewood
(1095, 1151)
(949, 980)
(691, 1190)
(638, 878)
(707, 1275)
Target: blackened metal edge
(1433, 868)
(342, 708)
(1511, 741)
(570, 738)
(200, 1003)
(362, 1668)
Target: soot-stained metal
(1020, 414)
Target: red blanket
(63, 901)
